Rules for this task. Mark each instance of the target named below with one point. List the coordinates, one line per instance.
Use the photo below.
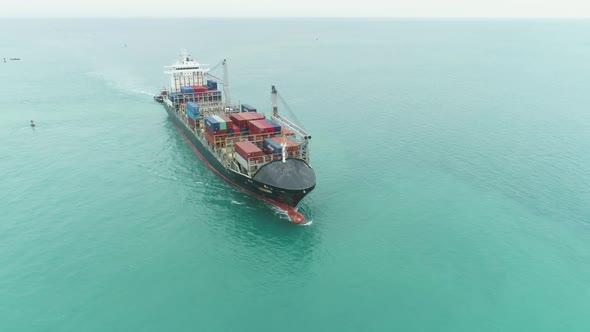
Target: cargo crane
(224, 82)
(298, 129)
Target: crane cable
(292, 115)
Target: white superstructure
(186, 72)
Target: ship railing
(289, 124)
(254, 163)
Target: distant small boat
(14, 58)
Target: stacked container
(187, 89)
(239, 120)
(225, 121)
(286, 131)
(236, 130)
(248, 108)
(292, 146)
(210, 138)
(193, 89)
(270, 146)
(175, 96)
(274, 146)
(257, 127)
(200, 88)
(217, 125)
(253, 116)
(276, 127)
(247, 151)
(192, 112)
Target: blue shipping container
(187, 89)
(192, 107)
(270, 146)
(211, 85)
(277, 128)
(212, 123)
(174, 96)
(193, 116)
(248, 108)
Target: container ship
(266, 156)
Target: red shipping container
(191, 122)
(253, 115)
(239, 120)
(199, 88)
(236, 129)
(269, 128)
(247, 149)
(228, 121)
(257, 127)
(209, 138)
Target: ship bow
(290, 180)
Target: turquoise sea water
(453, 165)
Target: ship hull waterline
(286, 200)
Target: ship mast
(226, 83)
(274, 102)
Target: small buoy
(32, 123)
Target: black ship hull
(281, 184)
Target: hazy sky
(282, 8)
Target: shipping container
(199, 88)
(215, 132)
(175, 96)
(192, 110)
(248, 108)
(249, 116)
(238, 120)
(276, 127)
(256, 116)
(187, 89)
(210, 138)
(227, 120)
(259, 127)
(269, 129)
(286, 131)
(212, 123)
(193, 123)
(211, 85)
(222, 124)
(192, 106)
(247, 150)
(292, 146)
(270, 146)
(192, 116)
